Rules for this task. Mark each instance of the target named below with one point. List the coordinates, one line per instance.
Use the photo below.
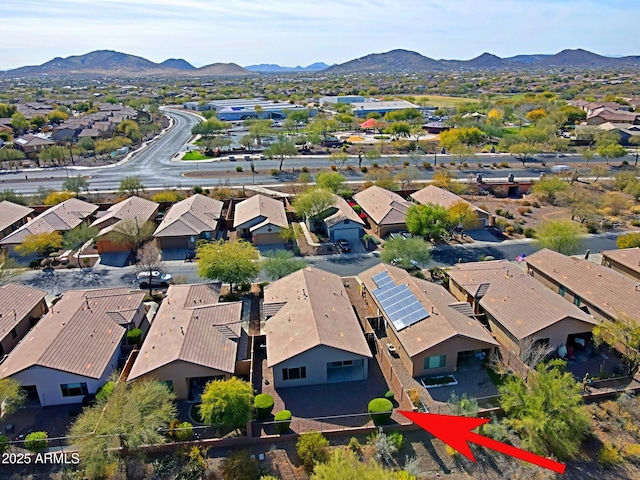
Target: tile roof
(260, 206)
(132, 207)
(316, 312)
(440, 196)
(11, 212)
(383, 206)
(33, 140)
(518, 302)
(612, 292)
(191, 326)
(628, 257)
(62, 217)
(16, 302)
(190, 216)
(342, 211)
(78, 335)
(445, 320)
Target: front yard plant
(380, 410)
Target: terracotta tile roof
(191, 326)
(191, 216)
(267, 209)
(342, 211)
(518, 302)
(445, 319)
(628, 257)
(79, 334)
(11, 212)
(612, 292)
(316, 312)
(382, 206)
(62, 217)
(16, 301)
(131, 208)
(440, 196)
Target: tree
(313, 449)
(76, 184)
(406, 253)
(227, 403)
(258, 129)
(281, 148)
(581, 203)
(130, 233)
(611, 151)
(588, 154)
(399, 130)
(536, 115)
(11, 396)
(598, 171)
(430, 221)
(131, 186)
(129, 129)
(339, 159)
(406, 177)
(19, 122)
(87, 144)
(148, 260)
(462, 214)
(563, 236)
(623, 334)
(78, 236)
(372, 156)
(548, 411)
(57, 116)
(40, 243)
(117, 425)
(332, 181)
(382, 178)
(231, 263)
(312, 203)
(55, 198)
(523, 151)
(628, 240)
(548, 187)
(461, 152)
(281, 263)
(12, 196)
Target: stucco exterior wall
(179, 373)
(8, 342)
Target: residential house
(193, 340)
(605, 114)
(447, 199)
(518, 308)
(76, 346)
(342, 222)
(59, 218)
(12, 217)
(313, 335)
(385, 210)
(187, 221)
(598, 290)
(32, 143)
(260, 219)
(430, 330)
(20, 309)
(133, 209)
(625, 260)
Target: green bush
(502, 224)
(427, 165)
(389, 395)
(354, 445)
(263, 404)
(364, 169)
(197, 189)
(591, 228)
(312, 448)
(504, 164)
(183, 432)
(274, 172)
(35, 263)
(36, 441)
(134, 336)
(396, 439)
(105, 391)
(4, 443)
(510, 230)
(239, 169)
(305, 169)
(380, 410)
(357, 208)
(283, 420)
(609, 455)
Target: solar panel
(398, 302)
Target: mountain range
(108, 63)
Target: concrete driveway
(115, 259)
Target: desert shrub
(334, 168)
(523, 210)
(628, 240)
(239, 169)
(414, 396)
(305, 169)
(283, 420)
(465, 165)
(237, 466)
(632, 451)
(389, 395)
(134, 336)
(525, 203)
(405, 163)
(36, 441)
(609, 455)
(494, 165)
(501, 224)
(263, 404)
(635, 223)
(375, 165)
(536, 205)
(504, 165)
(364, 169)
(35, 263)
(510, 230)
(482, 206)
(274, 172)
(427, 165)
(312, 448)
(396, 439)
(517, 228)
(501, 191)
(498, 211)
(635, 209)
(452, 163)
(197, 189)
(354, 445)
(167, 196)
(105, 391)
(183, 432)
(380, 410)
(4, 443)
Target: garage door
(267, 239)
(350, 234)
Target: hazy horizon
(287, 33)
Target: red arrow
(456, 432)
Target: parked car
(343, 245)
(400, 262)
(154, 279)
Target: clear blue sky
(299, 32)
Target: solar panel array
(398, 302)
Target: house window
(562, 291)
(14, 334)
(344, 363)
(294, 373)
(74, 389)
(438, 361)
(577, 301)
(207, 235)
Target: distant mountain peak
(178, 64)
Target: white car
(154, 279)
